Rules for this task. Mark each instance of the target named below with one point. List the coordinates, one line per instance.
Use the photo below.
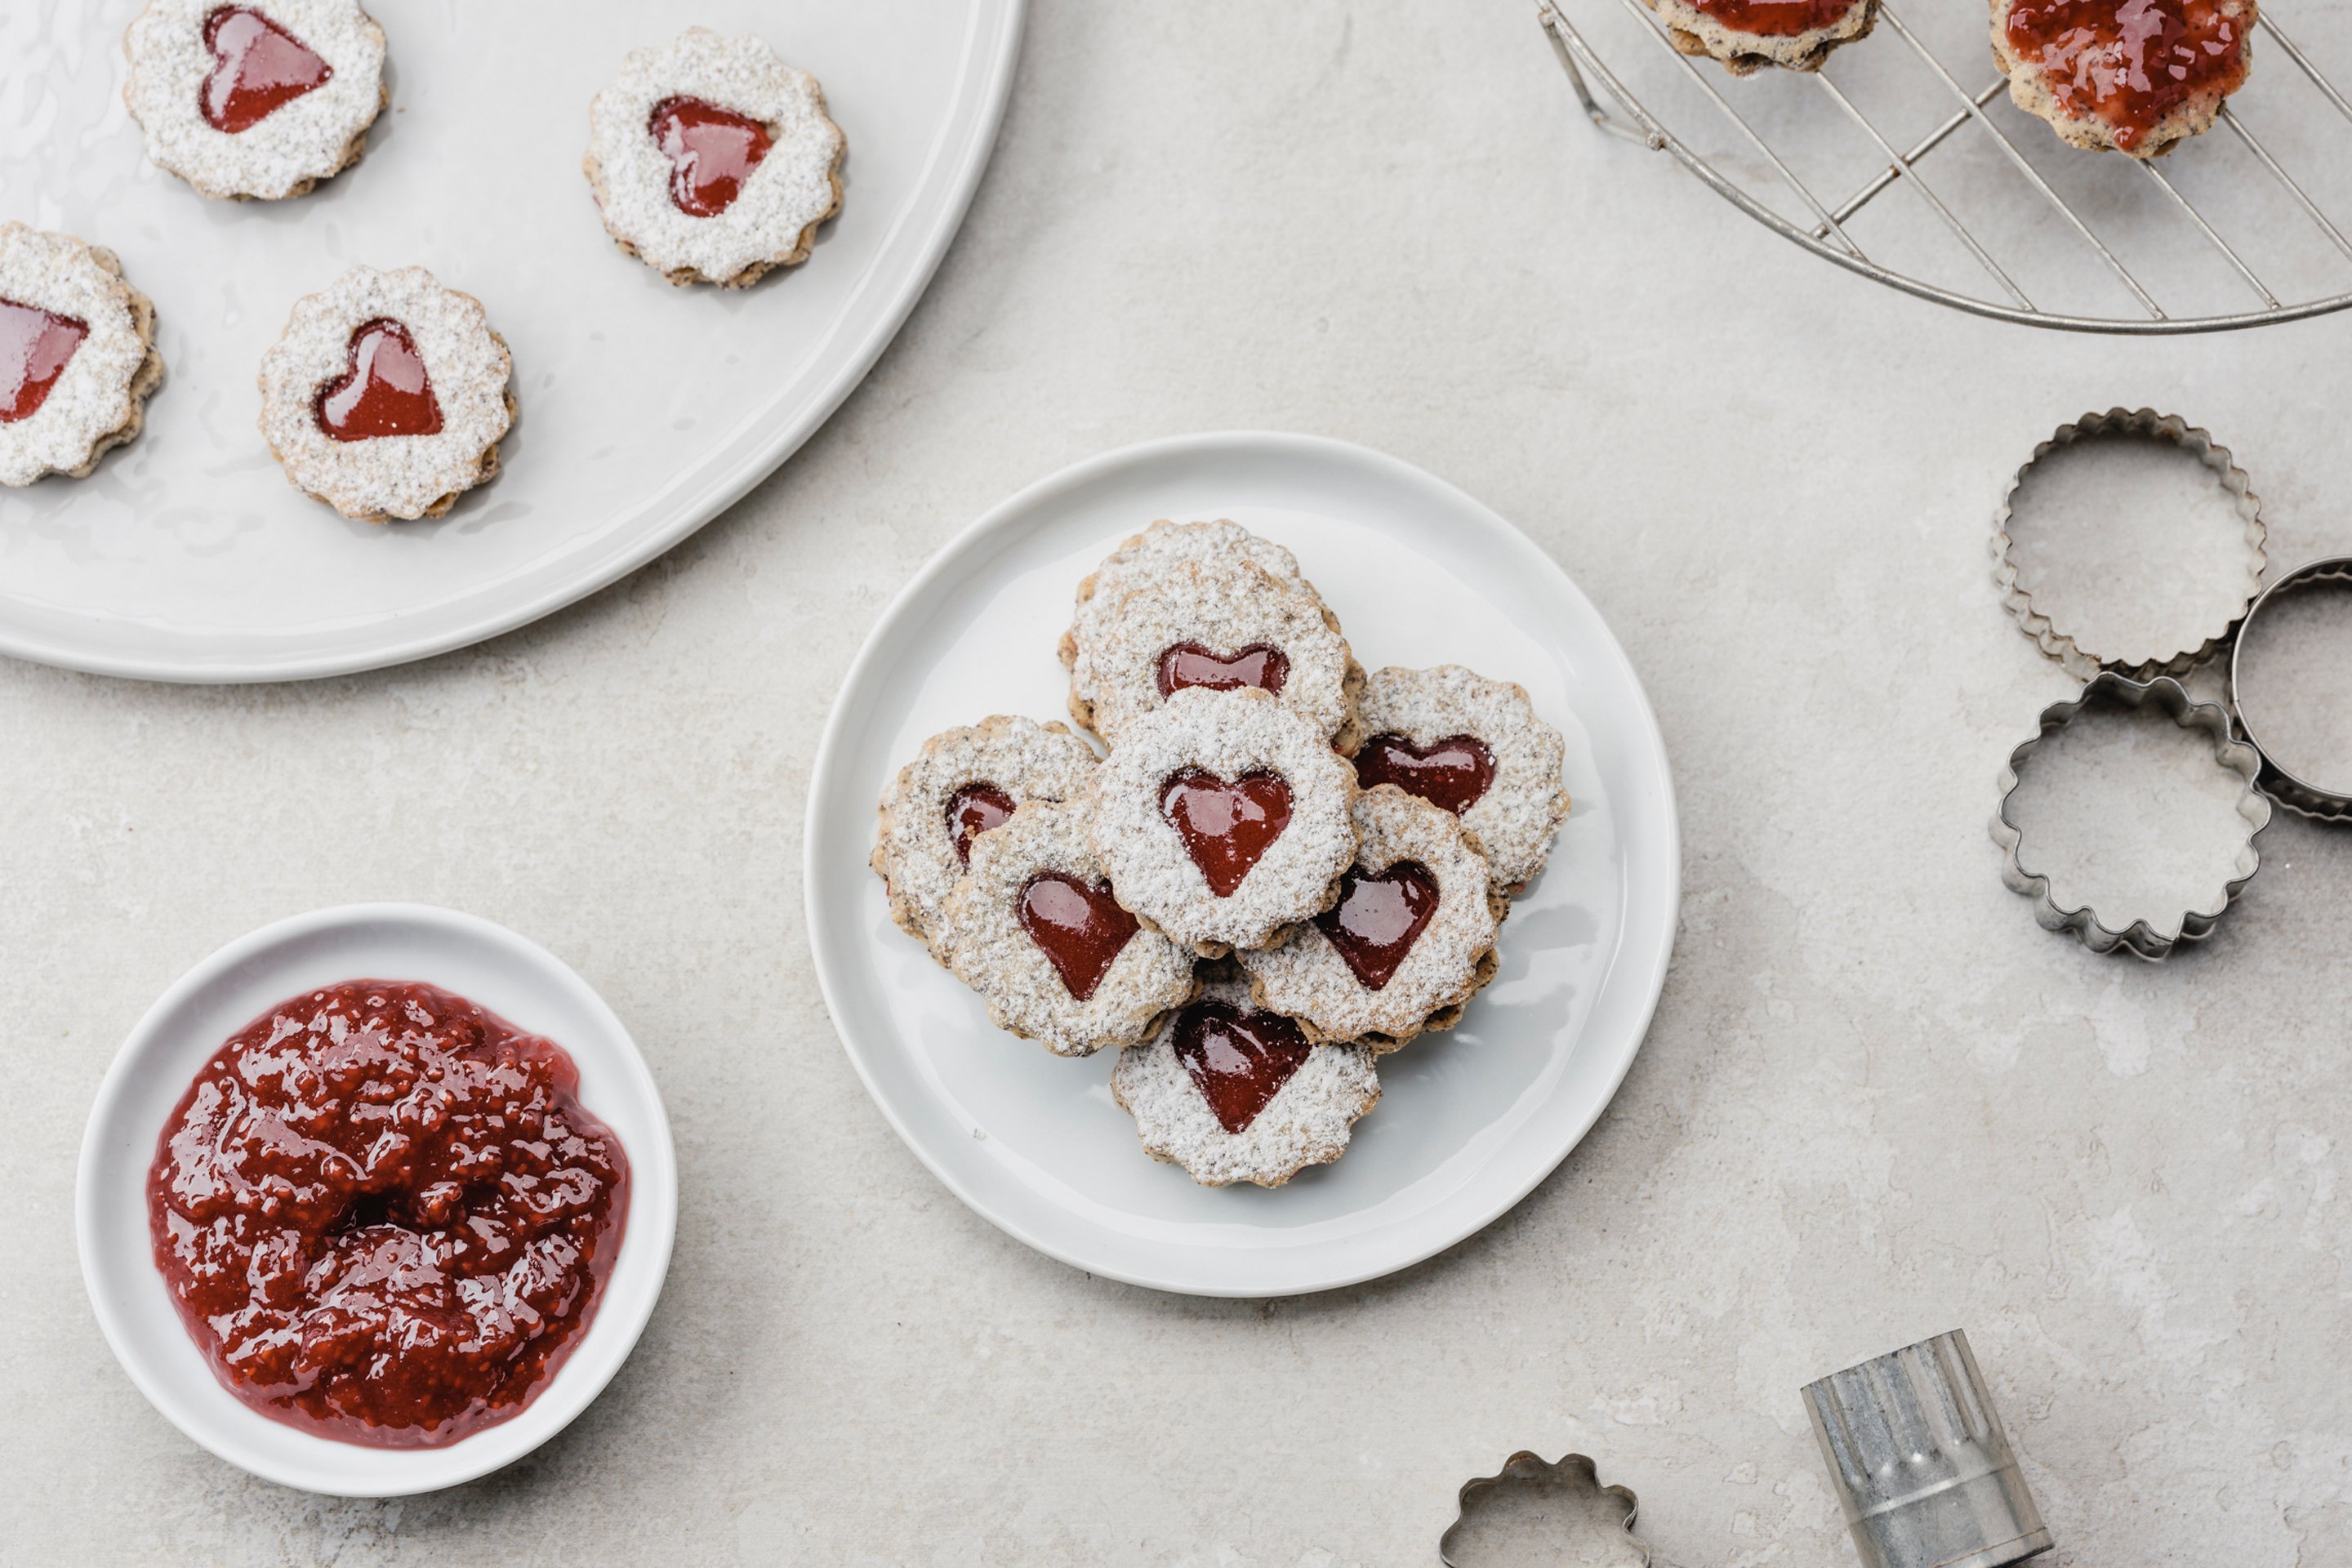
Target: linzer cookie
(2133, 75)
(713, 160)
(1475, 747)
(387, 396)
(966, 782)
(1162, 545)
(255, 98)
(1746, 36)
(77, 358)
(1410, 941)
(1032, 927)
(1235, 1093)
(1222, 818)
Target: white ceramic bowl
(486, 964)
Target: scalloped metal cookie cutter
(1572, 1475)
(2322, 803)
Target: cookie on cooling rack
(712, 159)
(1235, 1093)
(77, 358)
(255, 98)
(2137, 76)
(965, 782)
(1746, 36)
(1475, 747)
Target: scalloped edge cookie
(68, 276)
(1744, 53)
(1425, 706)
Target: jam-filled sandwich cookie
(1475, 747)
(255, 98)
(2133, 76)
(1410, 941)
(1032, 927)
(1746, 36)
(387, 396)
(1235, 1093)
(712, 159)
(1223, 818)
(77, 356)
(964, 783)
(1163, 544)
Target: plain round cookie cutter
(2298, 794)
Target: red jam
(711, 152)
(258, 67)
(1239, 1061)
(1378, 919)
(1454, 773)
(2129, 63)
(1773, 19)
(383, 1215)
(1227, 827)
(36, 346)
(385, 393)
(1080, 930)
(972, 811)
(1261, 664)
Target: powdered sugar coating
(388, 475)
(1229, 733)
(1523, 807)
(914, 849)
(983, 940)
(1449, 962)
(772, 220)
(300, 142)
(99, 400)
(1164, 544)
(1307, 1122)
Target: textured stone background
(1877, 1100)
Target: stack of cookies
(1282, 870)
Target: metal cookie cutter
(1573, 1480)
(2148, 424)
(2327, 803)
(2139, 939)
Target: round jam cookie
(1165, 544)
(713, 160)
(1033, 929)
(1235, 1093)
(1222, 818)
(2131, 76)
(1410, 941)
(1746, 36)
(387, 396)
(259, 99)
(964, 783)
(1475, 747)
(77, 358)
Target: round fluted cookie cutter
(2137, 938)
(2325, 803)
(1573, 1476)
(2145, 425)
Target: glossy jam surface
(1455, 772)
(258, 67)
(1079, 929)
(36, 346)
(1227, 827)
(1773, 19)
(972, 811)
(385, 393)
(383, 1214)
(1261, 664)
(2128, 63)
(1239, 1059)
(711, 152)
(1378, 919)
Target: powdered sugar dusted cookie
(255, 98)
(712, 159)
(1222, 818)
(966, 782)
(387, 396)
(77, 356)
(1746, 36)
(1475, 747)
(1165, 544)
(2131, 76)
(1235, 1093)
(1033, 929)
(1410, 941)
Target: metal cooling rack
(1828, 235)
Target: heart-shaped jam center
(1080, 929)
(711, 152)
(1239, 1061)
(1378, 919)
(972, 811)
(1454, 773)
(385, 392)
(258, 67)
(1261, 664)
(1227, 827)
(35, 345)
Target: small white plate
(488, 964)
(1469, 1121)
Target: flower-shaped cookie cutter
(1573, 1480)
(2326, 802)
(2138, 938)
(2145, 425)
